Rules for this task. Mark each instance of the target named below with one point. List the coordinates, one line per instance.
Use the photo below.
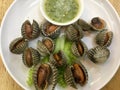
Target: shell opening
(28, 57)
(50, 28)
(28, 29)
(58, 58)
(48, 43)
(78, 74)
(16, 45)
(80, 48)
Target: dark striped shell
(79, 48)
(84, 25)
(80, 73)
(104, 38)
(50, 30)
(48, 75)
(46, 46)
(74, 32)
(76, 74)
(41, 76)
(30, 57)
(98, 54)
(18, 45)
(58, 59)
(30, 31)
(98, 23)
(69, 77)
(54, 76)
(49, 43)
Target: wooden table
(7, 83)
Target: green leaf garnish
(30, 77)
(45, 59)
(69, 55)
(61, 80)
(59, 44)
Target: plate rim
(1, 54)
(16, 80)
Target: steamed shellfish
(42, 75)
(98, 23)
(76, 74)
(18, 45)
(98, 54)
(79, 48)
(74, 32)
(29, 31)
(46, 46)
(50, 30)
(30, 57)
(58, 59)
(104, 38)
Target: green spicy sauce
(61, 10)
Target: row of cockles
(46, 73)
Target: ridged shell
(104, 38)
(84, 25)
(62, 58)
(74, 32)
(30, 57)
(98, 23)
(69, 77)
(44, 49)
(54, 76)
(48, 26)
(30, 31)
(35, 78)
(84, 70)
(18, 45)
(49, 45)
(98, 54)
(76, 51)
(90, 27)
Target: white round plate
(20, 10)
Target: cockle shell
(29, 31)
(98, 54)
(84, 25)
(76, 74)
(41, 76)
(58, 59)
(74, 32)
(79, 48)
(46, 46)
(54, 76)
(98, 23)
(68, 75)
(18, 45)
(30, 57)
(104, 38)
(50, 30)
(80, 73)
(49, 43)
(44, 75)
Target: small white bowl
(81, 4)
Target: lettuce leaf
(59, 44)
(30, 77)
(69, 55)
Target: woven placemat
(116, 4)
